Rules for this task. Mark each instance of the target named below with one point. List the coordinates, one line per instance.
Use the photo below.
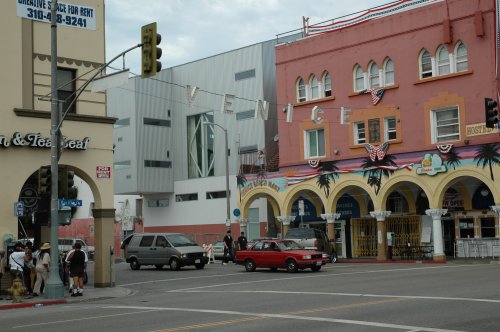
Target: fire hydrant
(17, 290)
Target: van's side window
(146, 241)
(161, 241)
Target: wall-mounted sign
(477, 129)
(36, 140)
(432, 164)
(76, 16)
(103, 172)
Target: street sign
(19, 209)
(70, 202)
(236, 212)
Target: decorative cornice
(285, 219)
(436, 213)
(380, 215)
(103, 213)
(69, 116)
(69, 61)
(330, 217)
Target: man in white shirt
(16, 262)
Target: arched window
(425, 64)
(461, 57)
(301, 90)
(388, 72)
(313, 83)
(443, 61)
(374, 76)
(359, 79)
(327, 85)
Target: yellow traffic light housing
(150, 50)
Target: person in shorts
(77, 271)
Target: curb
(32, 304)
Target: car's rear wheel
(159, 266)
(291, 266)
(134, 264)
(174, 264)
(316, 268)
(250, 265)
(199, 266)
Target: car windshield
(288, 245)
(180, 240)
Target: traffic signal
(44, 180)
(67, 187)
(490, 112)
(150, 50)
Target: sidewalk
(89, 294)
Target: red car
(280, 254)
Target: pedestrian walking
(42, 268)
(228, 247)
(78, 265)
(16, 262)
(242, 241)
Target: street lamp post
(228, 204)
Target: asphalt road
(340, 297)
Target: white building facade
(170, 136)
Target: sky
(196, 29)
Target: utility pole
(54, 287)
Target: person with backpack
(78, 265)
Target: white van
(67, 243)
(159, 249)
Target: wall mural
(375, 167)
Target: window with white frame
(443, 61)
(462, 63)
(388, 72)
(390, 129)
(359, 133)
(314, 86)
(327, 85)
(374, 75)
(301, 90)
(374, 130)
(314, 143)
(425, 64)
(359, 79)
(445, 125)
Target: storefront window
(487, 227)
(466, 228)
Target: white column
(437, 232)
(381, 233)
(285, 223)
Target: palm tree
(241, 180)
(374, 172)
(487, 154)
(327, 168)
(452, 159)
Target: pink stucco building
(382, 130)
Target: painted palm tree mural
(327, 170)
(488, 154)
(241, 180)
(375, 166)
(452, 159)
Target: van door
(145, 254)
(162, 250)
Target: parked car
(280, 254)
(159, 249)
(218, 248)
(312, 238)
(67, 243)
